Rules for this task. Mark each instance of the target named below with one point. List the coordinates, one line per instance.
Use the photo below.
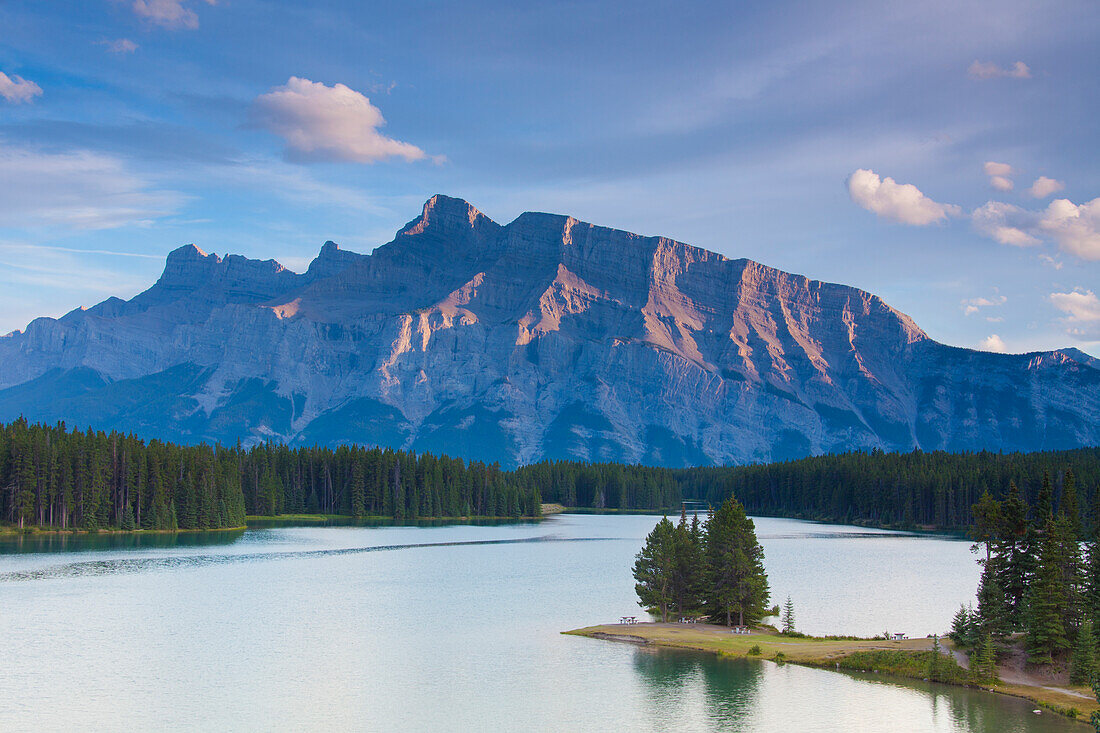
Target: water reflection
(684, 690)
(683, 686)
(47, 542)
(84, 542)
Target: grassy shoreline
(906, 658)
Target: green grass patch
(920, 664)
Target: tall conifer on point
(654, 567)
(738, 584)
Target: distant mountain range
(544, 338)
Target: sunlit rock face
(545, 338)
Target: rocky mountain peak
(446, 214)
(330, 261)
(548, 337)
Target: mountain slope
(547, 337)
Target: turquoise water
(453, 628)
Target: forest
(916, 489)
(91, 480)
(1040, 576)
(51, 476)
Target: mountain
(544, 338)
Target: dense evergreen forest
(884, 489)
(52, 477)
(1040, 576)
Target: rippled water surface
(452, 628)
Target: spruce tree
(1069, 504)
(654, 567)
(983, 663)
(738, 584)
(689, 568)
(1015, 561)
(788, 616)
(1046, 631)
(962, 627)
(992, 615)
(1083, 660)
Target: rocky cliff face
(548, 337)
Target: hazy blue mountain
(547, 337)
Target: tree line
(933, 489)
(360, 482)
(54, 477)
(51, 477)
(1040, 577)
(714, 569)
(915, 489)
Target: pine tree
(935, 660)
(992, 615)
(983, 663)
(689, 570)
(1069, 505)
(654, 566)
(1015, 555)
(788, 616)
(1083, 660)
(738, 583)
(1046, 631)
(962, 627)
(1068, 558)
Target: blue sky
(941, 155)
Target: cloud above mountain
(172, 14)
(999, 175)
(1006, 224)
(1076, 228)
(79, 190)
(1044, 187)
(1082, 309)
(16, 89)
(120, 46)
(900, 202)
(993, 343)
(983, 70)
(323, 123)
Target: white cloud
(973, 305)
(1044, 187)
(992, 168)
(76, 190)
(333, 123)
(1076, 228)
(1048, 260)
(999, 175)
(1005, 223)
(17, 89)
(169, 13)
(1082, 309)
(990, 70)
(993, 343)
(902, 203)
(122, 45)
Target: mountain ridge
(544, 337)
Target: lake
(453, 628)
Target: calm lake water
(453, 628)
